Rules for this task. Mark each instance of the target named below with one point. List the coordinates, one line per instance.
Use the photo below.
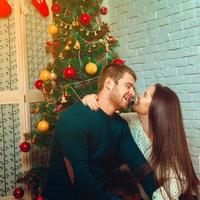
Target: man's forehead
(128, 78)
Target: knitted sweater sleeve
(137, 162)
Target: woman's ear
(109, 83)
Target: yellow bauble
(91, 68)
(43, 126)
(52, 29)
(44, 75)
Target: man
(88, 144)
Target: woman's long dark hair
(169, 147)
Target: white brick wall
(160, 39)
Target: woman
(160, 135)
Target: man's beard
(117, 100)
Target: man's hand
(91, 100)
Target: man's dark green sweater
(93, 142)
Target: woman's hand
(91, 100)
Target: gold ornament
(93, 45)
(44, 75)
(91, 68)
(74, 23)
(43, 126)
(77, 45)
(52, 29)
(77, 23)
(52, 76)
(81, 29)
(67, 48)
(63, 99)
(88, 33)
(61, 57)
(69, 42)
(101, 41)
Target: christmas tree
(81, 45)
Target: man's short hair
(114, 71)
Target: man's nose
(132, 92)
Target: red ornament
(18, 193)
(55, 8)
(39, 84)
(56, 43)
(5, 8)
(104, 10)
(85, 19)
(39, 197)
(41, 6)
(50, 43)
(25, 146)
(119, 61)
(69, 72)
(65, 95)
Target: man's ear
(109, 83)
